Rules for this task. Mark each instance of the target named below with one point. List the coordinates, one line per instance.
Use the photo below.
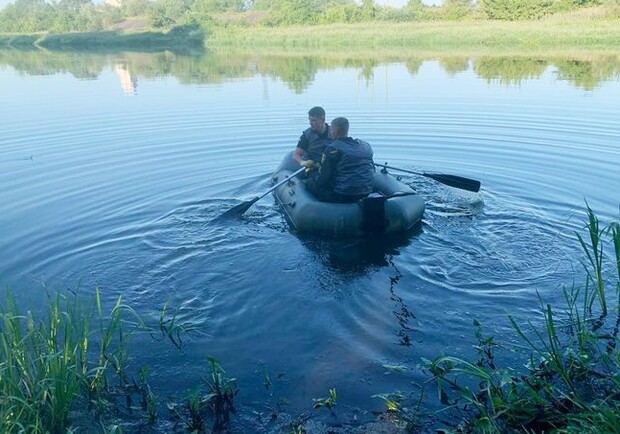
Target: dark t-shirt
(313, 143)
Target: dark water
(112, 168)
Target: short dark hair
(342, 124)
(316, 112)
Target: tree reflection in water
(299, 71)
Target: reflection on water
(129, 82)
(347, 260)
(357, 257)
(298, 72)
(402, 313)
(121, 194)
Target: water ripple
(125, 193)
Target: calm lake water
(113, 166)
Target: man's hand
(308, 164)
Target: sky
(393, 3)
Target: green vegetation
(50, 366)
(179, 39)
(213, 397)
(327, 402)
(571, 383)
(60, 373)
(550, 35)
(496, 24)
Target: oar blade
(238, 210)
(456, 181)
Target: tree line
(57, 16)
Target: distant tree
(263, 5)
(165, 13)
(416, 11)
(74, 15)
(341, 13)
(26, 16)
(456, 9)
(516, 9)
(369, 10)
(566, 5)
(222, 5)
(295, 11)
(109, 15)
(134, 8)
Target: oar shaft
(244, 206)
(399, 169)
(451, 180)
(288, 178)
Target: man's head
(340, 128)
(316, 117)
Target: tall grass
(432, 36)
(50, 366)
(572, 382)
(74, 361)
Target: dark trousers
(326, 194)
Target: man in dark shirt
(314, 139)
(346, 171)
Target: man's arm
(329, 162)
(298, 155)
(302, 145)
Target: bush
(454, 10)
(513, 10)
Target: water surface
(113, 167)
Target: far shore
(548, 36)
(178, 38)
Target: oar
(451, 180)
(244, 206)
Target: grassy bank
(560, 34)
(553, 34)
(178, 38)
(69, 370)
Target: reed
(572, 381)
(212, 398)
(59, 365)
(431, 36)
(594, 253)
(44, 365)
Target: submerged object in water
(393, 207)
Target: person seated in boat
(314, 139)
(346, 171)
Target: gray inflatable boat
(393, 207)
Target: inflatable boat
(393, 207)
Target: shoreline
(179, 38)
(547, 36)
